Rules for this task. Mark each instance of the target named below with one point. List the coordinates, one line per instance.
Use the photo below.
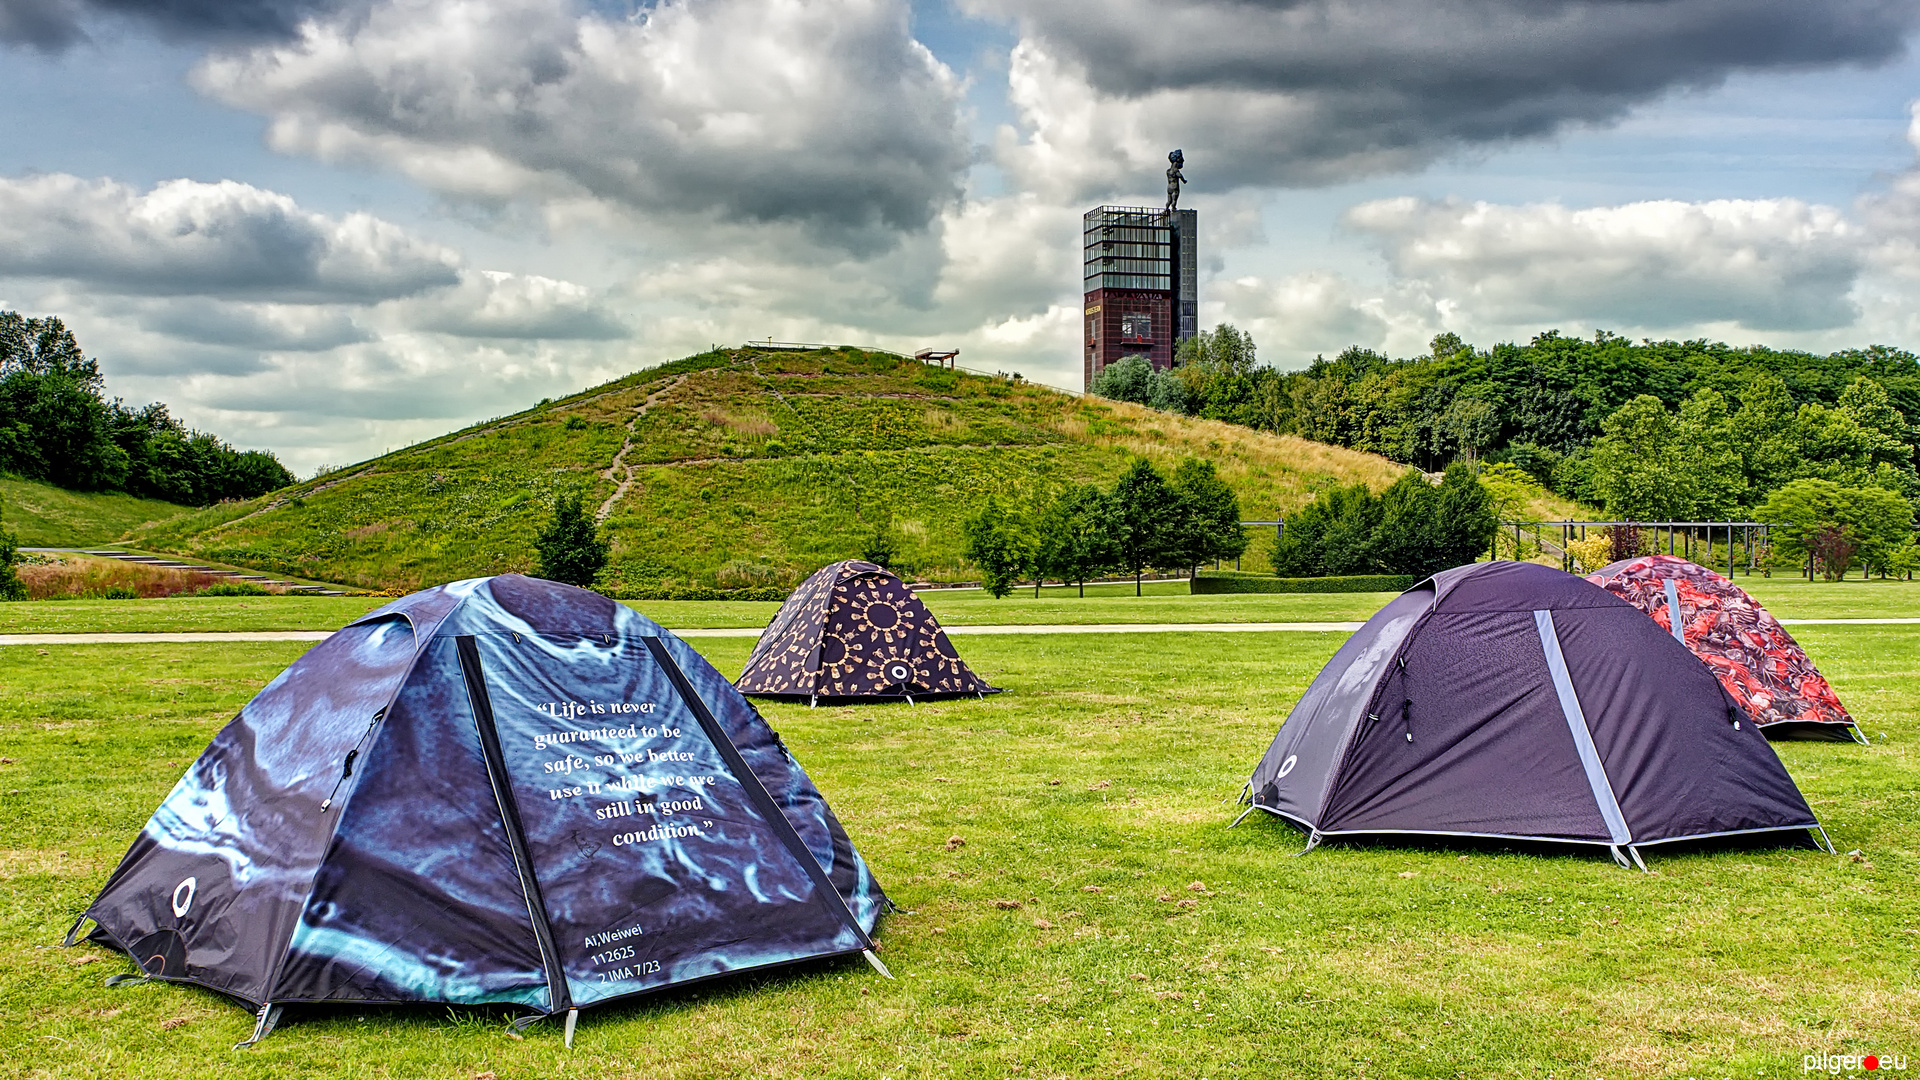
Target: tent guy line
(754, 632)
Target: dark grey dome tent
(1510, 700)
(499, 791)
(853, 631)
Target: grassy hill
(42, 515)
(738, 467)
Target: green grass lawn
(1165, 602)
(1091, 794)
(42, 515)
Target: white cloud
(187, 238)
(496, 304)
(1763, 264)
(826, 113)
(1315, 313)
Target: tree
(1407, 539)
(1762, 431)
(1470, 425)
(1332, 535)
(1206, 515)
(570, 546)
(1145, 507)
(1135, 379)
(1075, 539)
(1126, 379)
(996, 546)
(11, 587)
(880, 545)
(56, 426)
(1465, 517)
(1836, 526)
(1706, 458)
(1632, 466)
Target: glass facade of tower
(1139, 280)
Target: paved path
(754, 632)
(722, 632)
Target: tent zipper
(770, 812)
(558, 995)
(346, 768)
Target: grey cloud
(825, 114)
(269, 327)
(228, 239)
(47, 25)
(1315, 91)
(52, 25)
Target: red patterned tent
(1753, 656)
(854, 631)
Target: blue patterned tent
(501, 790)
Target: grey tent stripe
(1577, 724)
(1673, 613)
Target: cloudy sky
(331, 227)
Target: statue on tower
(1177, 160)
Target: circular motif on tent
(871, 612)
(1287, 765)
(892, 666)
(944, 647)
(183, 896)
(833, 651)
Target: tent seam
(1590, 763)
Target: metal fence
(1745, 542)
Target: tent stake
(875, 961)
(269, 1016)
(573, 1017)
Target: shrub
(745, 574)
(234, 588)
(80, 578)
(697, 592)
(571, 549)
(1215, 583)
(11, 587)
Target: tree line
(1646, 431)
(1536, 404)
(57, 426)
(1147, 520)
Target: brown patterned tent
(855, 632)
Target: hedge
(700, 592)
(1209, 583)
